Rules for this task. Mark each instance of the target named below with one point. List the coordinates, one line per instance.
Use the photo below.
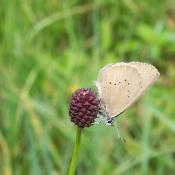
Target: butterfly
(120, 85)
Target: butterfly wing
(120, 85)
(148, 73)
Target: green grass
(50, 48)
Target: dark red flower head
(84, 107)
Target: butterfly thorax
(103, 112)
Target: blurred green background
(48, 48)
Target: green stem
(73, 163)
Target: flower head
(84, 107)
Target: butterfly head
(109, 121)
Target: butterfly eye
(109, 82)
(110, 121)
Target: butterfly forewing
(119, 84)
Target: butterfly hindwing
(148, 73)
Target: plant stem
(73, 163)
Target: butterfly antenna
(122, 139)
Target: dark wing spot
(125, 80)
(114, 83)
(109, 82)
(128, 96)
(128, 83)
(119, 82)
